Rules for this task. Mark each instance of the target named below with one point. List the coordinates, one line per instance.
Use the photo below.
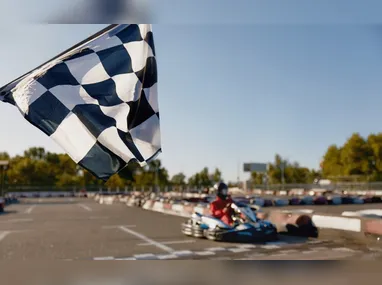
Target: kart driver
(221, 207)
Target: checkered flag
(97, 100)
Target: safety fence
(182, 191)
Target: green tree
(25, 171)
(217, 176)
(35, 153)
(4, 156)
(332, 162)
(375, 143)
(205, 180)
(195, 180)
(115, 181)
(297, 174)
(89, 179)
(178, 179)
(275, 170)
(357, 157)
(152, 173)
(257, 178)
(292, 171)
(129, 172)
(314, 174)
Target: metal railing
(189, 189)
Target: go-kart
(246, 227)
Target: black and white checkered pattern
(98, 101)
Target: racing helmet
(221, 190)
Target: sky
(231, 93)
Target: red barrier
(188, 209)
(167, 206)
(373, 227)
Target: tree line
(359, 159)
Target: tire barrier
(307, 200)
(293, 223)
(281, 202)
(2, 205)
(335, 200)
(7, 201)
(321, 200)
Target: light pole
(3, 165)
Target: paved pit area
(80, 229)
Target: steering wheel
(236, 216)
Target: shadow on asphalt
(8, 213)
(282, 239)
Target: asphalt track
(81, 229)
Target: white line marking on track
(315, 241)
(3, 235)
(167, 256)
(146, 239)
(344, 249)
(104, 258)
(145, 256)
(270, 246)
(288, 251)
(183, 253)
(30, 209)
(205, 253)
(117, 226)
(246, 245)
(169, 242)
(85, 207)
(237, 250)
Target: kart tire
(189, 229)
(307, 231)
(214, 235)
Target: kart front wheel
(192, 230)
(213, 235)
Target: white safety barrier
(363, 213)
(338, 223)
